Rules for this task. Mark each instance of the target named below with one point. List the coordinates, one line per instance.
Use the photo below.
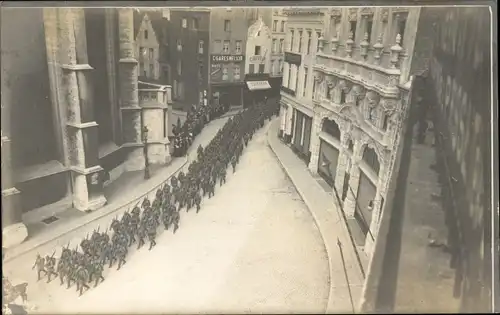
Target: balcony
(385, 81)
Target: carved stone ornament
(353, 14)
(385, 15)
(367, 11)
(344, 86)
(389, 106)
(318, 77)
(331, 82)
(357, 90)
(372, 98)
(336, 14)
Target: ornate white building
(258, 48)
(351, 91)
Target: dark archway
(332, 128)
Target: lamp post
(145, 131)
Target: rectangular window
(400, 27)
(291, 40)
(251, 68)
(145, 34)
(282, 29)
(195, 24)
(257, 51)
(368, 29)
(179, 67)
(352, 29)
(225, 73)
(141, 67)
(217, 47)
(200, 46)
(261, 68)
(179, 45)
(304, 88)
(318, 36)
(237, 72)
(237, 49)
(151, 54)
(300, 42)
(342, 97)
(309, 42)
(274, 45)
(151, 71)
(275, 25)
(200, 71)
(184, 23)
(225, 47)
(142, 52)
(282, 44)
(227, 26)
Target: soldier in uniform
(81, 279)
(141, 233)
(50, 266)
(197, 201)
(233, 162)
(152, 226)
(40, 266)
(223, 172)
(97, 270)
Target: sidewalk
(330, 224)
(133, 190)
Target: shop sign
(292, 58)
(227, 58)
(257, 58)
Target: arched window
(371, 159)
(331, 128)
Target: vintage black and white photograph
(228, 159)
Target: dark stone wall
(25, 75)
(458, 89)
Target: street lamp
(145, 131)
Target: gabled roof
(157, 22)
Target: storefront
(327, 162)
(256, 89)
(227, 94)
(301, 128)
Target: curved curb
(98, 214)
(336, 291)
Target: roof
(157, 22)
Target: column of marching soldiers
(185, 191)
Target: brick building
(84, 114)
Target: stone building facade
(355, 95)
(228, 37)
(92, 111)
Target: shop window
(330, 127)
(371, 159)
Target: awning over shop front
(258, 85)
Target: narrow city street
(254, 247)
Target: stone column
(14, 231)
(315, 143)
(131, 112)
(81, 127)
(111, 33)
(350, 201)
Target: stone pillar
(131, 112)
(14, 231)
(81, 127)
(315, 143)
(350, 201)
